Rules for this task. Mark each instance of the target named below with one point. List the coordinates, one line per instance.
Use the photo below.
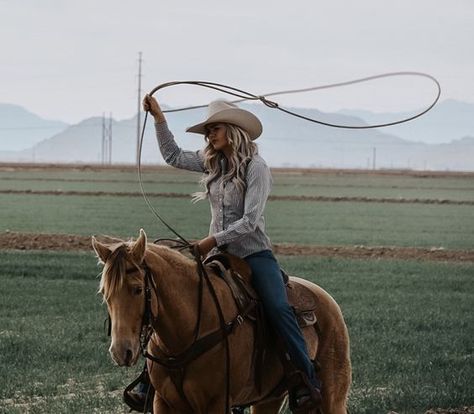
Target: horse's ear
(139, 247)
(101, 250)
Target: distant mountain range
(448, 121)
(441, 140)
(21, 129)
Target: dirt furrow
(69, 242)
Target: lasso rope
(247, 96)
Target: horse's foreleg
(334, 407)
(160, 407)
(270, 407)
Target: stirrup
(304, 398)
(131, 398)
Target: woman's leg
(268, 283)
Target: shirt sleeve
(173, 154)
(259, 182)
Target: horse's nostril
(128, 356)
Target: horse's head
(122, 287)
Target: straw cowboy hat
(226, 112)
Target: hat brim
(236, 116)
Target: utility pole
(102, 147)
(106, 148)
(374, 157)
(110, 138)
(139, 96)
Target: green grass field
(411, 322)
(412, 348)
(458, 188)
(323, 223)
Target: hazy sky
(69, 60)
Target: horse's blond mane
(114, 272)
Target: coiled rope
(248, 96)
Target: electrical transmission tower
(106, 140)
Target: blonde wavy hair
(243, 149)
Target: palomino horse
(172, 304)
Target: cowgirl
(237, 183)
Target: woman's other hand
(151, 105)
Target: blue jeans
(268, 283)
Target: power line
(60, 129)
(32, 127)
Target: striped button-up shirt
(237, 221)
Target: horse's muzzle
(124, 353)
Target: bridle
(146, 329)
(147, 317)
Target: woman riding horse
(237, 182)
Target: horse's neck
(176, 310)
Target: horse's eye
(137, 290)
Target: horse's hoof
(307, 401)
